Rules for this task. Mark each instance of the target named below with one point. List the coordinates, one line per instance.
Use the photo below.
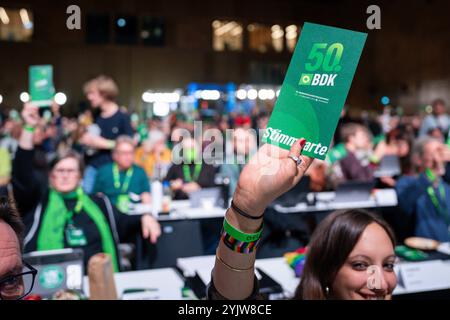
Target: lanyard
(126, 182)
(187, 172)
(78, 207)
(442, 209)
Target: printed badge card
(315, 88)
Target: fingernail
(302, 142)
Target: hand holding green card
(41, 85)
(315, 88)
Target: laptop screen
(353, 191)
(206, 198)
(57, 270)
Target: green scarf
(51, 233)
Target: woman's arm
(26, 189)
(269, 174)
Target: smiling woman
(344, 251)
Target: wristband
(239, 235)
(29, 128)
(243, 213)
(238, 241)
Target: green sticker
(315, 88)
(51, 277)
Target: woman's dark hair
(69, 154)
(330, 245)
(9, 214)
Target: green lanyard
(77, 208)
(187, 172)
(126, 182)
(442, 209)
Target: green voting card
(41, 85)
(315, 88)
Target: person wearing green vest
(125, 183)
(63, 216)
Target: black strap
(242, 213)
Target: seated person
(153, 154)
(437, 119)
(426, 197)
(121, 181)
(190, 175)
(243, 144)
(63, 216)
(356, 165)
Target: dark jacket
(205, 178)
(353, 170)
(32, 198)
(414, 200)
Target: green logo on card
(305, 79)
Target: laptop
(354, 191)
(206, 198)
(57, 270)
(389, 167)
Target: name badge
(123, 203)
(75, 237)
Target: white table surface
(325, 201)
(166, 281)
(415, 277)
(181, 209)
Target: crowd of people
(73, 178)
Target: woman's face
(368, 273)
(65, 176)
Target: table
(381, 198)
(195, 229)
(413, 277)
(181, 210)
(166, 282)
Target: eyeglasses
(18, 286)
(68, 171)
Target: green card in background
(315, 88)
(41, 86)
